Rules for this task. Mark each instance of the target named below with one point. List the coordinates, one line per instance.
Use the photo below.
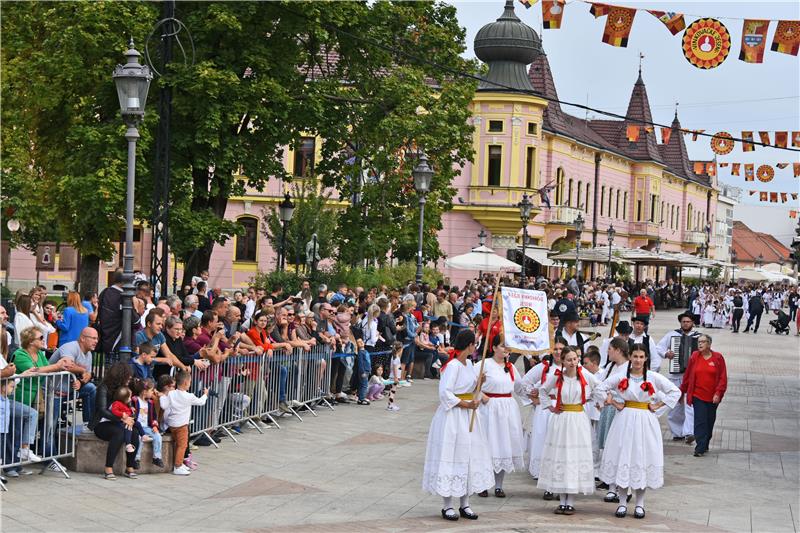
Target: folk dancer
(640, 336)
(569, 332)
(681, 417)
(618, 351)
(624, 331)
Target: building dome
(507, 45)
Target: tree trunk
(89, 272)
(196, 263)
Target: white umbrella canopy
(482, 258)
(751, 274)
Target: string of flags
(706, 42)
(764, 173)
(722, 142)
(773, 197)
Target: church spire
(639, 114)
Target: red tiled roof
(748, 244)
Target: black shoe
(698, 454)
(452, 517)
(547, 496)
(467, 513)
(621, 511)
(3, 479)
(690, 439)
(137, 464)
(203, 441)
(158, 462)
(483, 494)
(560, 509)
(637, 514)
(678, 438)
(602, 485)
(611, 497)
(569, 510)
(499, 493)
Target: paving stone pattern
(359, 469)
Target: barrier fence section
(242, 389)
(37, 420)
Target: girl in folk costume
(457, 461)
(567, 465)
(634, 455)
(500, 416)
(617, 364)
(709, 311)
(528, 389)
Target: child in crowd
(239, 400)
(376, 386)
(165, 384)
(591, 363)
(394, 375)
(177, 405)
(145, 414)
(122, 407)
(363, 367)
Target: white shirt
(177, 407)
(655, 355)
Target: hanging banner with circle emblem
(525, 324)
(765, 173)
(722, 143)
(706, 43)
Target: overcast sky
(733, 97)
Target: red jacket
(688, 383)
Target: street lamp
(611, 232)
(733, 262)
(423, 174)
(132, 81)
(658, 252)
(759, 261)
(285, 212)
(701, 252)
(525, 207)
(482, 238)
(579, 223)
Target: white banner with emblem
(525, 322)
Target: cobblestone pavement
(359, 469)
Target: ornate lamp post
(285, 213)
(132, 81)
(701, 252)
(657, 248)
(482, 238)
(759, 262)
(579, 224)
(423, 174)
(611, 232)
(733, 262)
(525, 207)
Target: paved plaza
(359, 469)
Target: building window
(569, 193)
(602, 199)
(616, 206)
(653, 200)
(689, 218)
(304, 158)
(531, 153)
(588, 197)
(559, 186)
(579, 197)
(625, 206)
(661, 215)
(247, 241)
(533, 128)
(639, 207)
(495, 165)
(610, 197)
(495, 126)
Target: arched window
(689, 215)
(602, 200)
(616, 206)
(625, 206)
(569, 193)
(588, 197)
(247, 241)
(560, 186)
(579, 197)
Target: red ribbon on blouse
(545, 369)
(452, 354)
(510, 369)
(648, 387)
(560, 383)
(623, 384)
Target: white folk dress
(634, 453)
(540, 416)
(457, 462)
(501, 419)
(567, 464)
(609, 411)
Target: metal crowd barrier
(245, 388)
(37, 416)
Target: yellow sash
(572, 407)
(637, 405)
(465, 396)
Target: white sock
(612, 487)
(498, 479)
(465, 501)
(563, 499)
(448, 502)
(640, 498)
(570, 499)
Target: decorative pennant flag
(673, 21)
(618, 26)
(754, 41)
(722, 165)
(763, 196)
(552, 13)
(781, 139)
(747, 145)
(721, 143)
(699, 167)
(633, 133)
(765, 173)
(735, 168)
(695, 133)
(796, 139)
(787, 37)
(752, 192)
(666, 134)
(764, 136)
(528, 3)
(749, 174)
(599, 10)
(796, 167)
(706, 43)
(794, 196)
(649, 129)
(711, 169)
(781, 165)
(783, 198)
(792, 214)
(773, 197)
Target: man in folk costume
(623, 330)
(640, 336)
(569, 331)
(681, 418)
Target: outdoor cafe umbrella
(751, 274)
(484, 259)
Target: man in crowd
(442, 307)
(681, 417)
(109, 317)
(191, 305)
(568, 329)
(78, 353)
(153, 334)
(640, 336)
(756, 309)
(643, 308)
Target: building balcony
(643, 228)
(563, 214)
(694, 237)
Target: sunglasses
(39, 338)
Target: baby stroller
(780, 324)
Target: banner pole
(476, 394)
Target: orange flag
(747, 144)
(633, 133)
(793, 214)
(699, 167)
(666, 133)
(695, 133)
(781, 165)
(711, 169)
(722, 165)
(752, 192)
(618, 26)
(783, 198)
(781, 139)
(599, 10)
(787, 37)
(749, 172)
(735, 168)
(552, 12)
(773, 197)
(754, 41)
(796, 139)
(764, 135)
(762, 196)
(794, 196)
(673, 21)
(796, 167)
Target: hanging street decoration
(618, 26)
(721, 143)
(773, 196)
(552, 13)
(787, 37)
(706, 43)
(673, 21)
(765, 173)
(754, 41)
(749, 173)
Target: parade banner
(711, 169)
(796, 167)
(599, 10)
(781, 165)
(618, 26)
(764, 136)
(528, 3)
(787, 37)
(706, 43)
(754, 41)
(552, 13)
(747, 145)
(673, 21)
(796, 139)
(792, 214)
(735, 168)
(749, 172)
(525, 324)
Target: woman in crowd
(704, 385)
(173, 328)
(567, 462)
(111, 428)
(457, 461)
(26, 318)
(73, 320)
(500, 416)
(633, 457)
(617, 364)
